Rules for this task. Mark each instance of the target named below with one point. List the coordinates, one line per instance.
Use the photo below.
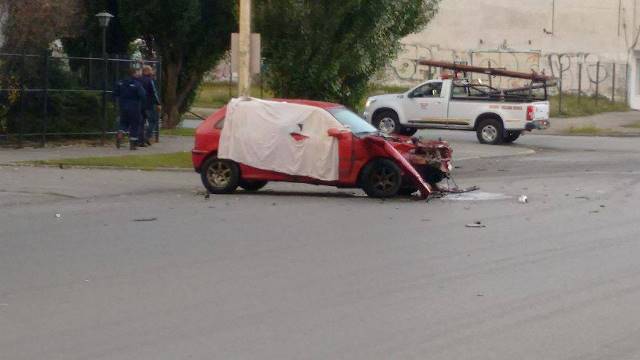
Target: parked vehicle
(382, 165)
(497, 116)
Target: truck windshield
(353, 121)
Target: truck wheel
(381, 178)
(490, 131)
(387, 121)
(220, 176)
(252, 185)
(408, 131)
(511, 136)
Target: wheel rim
(219, 174)
(387, 125)
(489, 133)
(384, 179)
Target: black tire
(407, 191)
(387, 121)
(511, 136)
(220, 176)
(252, 185)
(408, 131)
(490, 131)
(381, 178)
(433, 175)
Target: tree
(88, 41)
(191, 36)
(31, 25)
(329, 50)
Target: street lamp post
(103, 19)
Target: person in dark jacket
(151, 105)
(131, 97)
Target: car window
(459, 91)
(348, 118)
(433, 89)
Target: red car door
(345, 150)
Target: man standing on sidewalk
(150, 110)
(131, 96)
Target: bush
(67, 112)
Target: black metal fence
(44, 96)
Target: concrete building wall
(571, 36)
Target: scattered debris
(273, 204)
(583, 197)
(145, 219)
(207, 196)
(523, 199)
(58, 216)
(594, 212)
(476, 196)
(603, 206)
(477, 224)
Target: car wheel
(381, 178)
(408, 131)
(252, 185)
(220, 176)
(433, 176)
(407, 191)
(511, 137)
(387, 122)
(490, 131)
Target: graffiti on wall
(578, 71)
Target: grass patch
(584, 106)
(635, 125)
(181, 160)
(216, 95)
(585, 130)
(178, 132)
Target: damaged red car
(249, 143)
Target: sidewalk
(167, 144)
(616, 123)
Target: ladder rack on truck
(537, 80)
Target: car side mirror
(336, 133)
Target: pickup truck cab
(497, 116)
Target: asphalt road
(139, 265)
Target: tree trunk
(175, 94)
(170, 112)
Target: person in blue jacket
(151, 106)
(131, 98)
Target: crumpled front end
(431, 157)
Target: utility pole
(244, 50)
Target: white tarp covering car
(282, 137)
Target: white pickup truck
(497, 116)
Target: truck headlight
(370, 102)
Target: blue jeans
(151, 115)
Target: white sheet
(258, 133)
